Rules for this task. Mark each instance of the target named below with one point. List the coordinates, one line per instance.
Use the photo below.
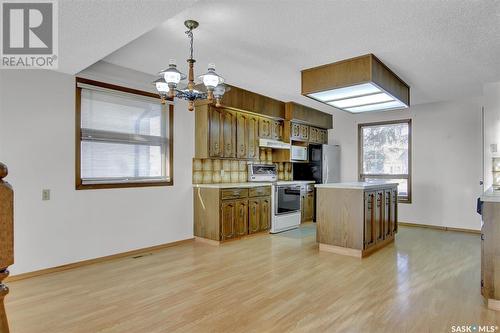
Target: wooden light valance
(356, 85)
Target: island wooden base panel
(493, 304)
(354, 252)
(267, 283)
(345, 251)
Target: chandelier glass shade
(168, 84)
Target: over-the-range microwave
(298, 153)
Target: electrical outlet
(45, 194)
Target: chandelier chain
(189, 33)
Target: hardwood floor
(427, 281)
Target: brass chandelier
(167, 84)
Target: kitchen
(305, 192)
(260, 163)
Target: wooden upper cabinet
(295, 131)
(241, 221)
(305, 114)
(242, 135)
(299, 132)
(277, 130)
(313, 134)
(229, 133)
(318, 135)
(304, 132)
(253, 137)
(245, 100)
(265, 128)
(215, 132)
(322, 136)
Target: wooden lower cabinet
(265, 213)
(227, 219)
(307, 208)
(253, 216)
(223, 214)
(259, 214)
(369, 218)
(241, 219)
(380, 216)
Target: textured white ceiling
(91, 29)
(444, 50)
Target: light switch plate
(493, 147)
(45, 194)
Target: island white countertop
(252, 184)
(357, 185)
(490, 195)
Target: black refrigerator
(323, 165)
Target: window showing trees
(385, 154)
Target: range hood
(356, 85)
(275, 144)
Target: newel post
(6, 240)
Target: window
(385, 154)
(124, 137)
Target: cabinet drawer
(234, 193)
(259, 191)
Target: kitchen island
(356, 218)
(490, 248)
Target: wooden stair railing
(6, 240)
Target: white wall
(491, 128)
(446, 160)
(37, 139)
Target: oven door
(287, 199)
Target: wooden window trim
(408, 199)
(78, 180)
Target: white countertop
(252, 184)
(490, 195)
(357, 185)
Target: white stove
(286, 207)
(285, 212)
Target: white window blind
(124, 138)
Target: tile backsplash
(211, 170)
